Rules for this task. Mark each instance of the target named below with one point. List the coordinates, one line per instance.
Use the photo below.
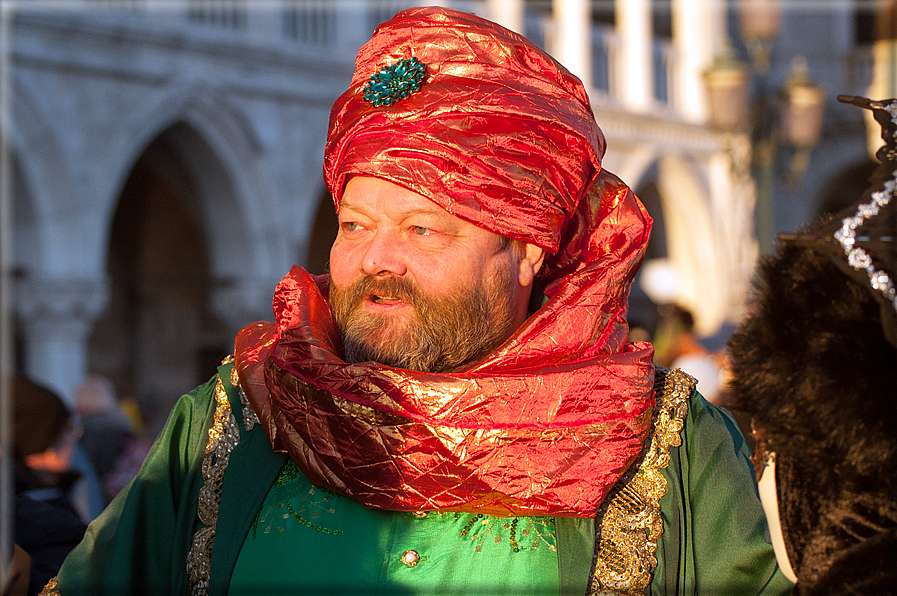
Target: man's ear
(529, 262)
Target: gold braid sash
(223, 437)
(630, 517)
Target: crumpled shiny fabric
(499, 133)
(545, 425)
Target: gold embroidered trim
(630, 518)
(223, 436)
(50, 589)
(250, 419)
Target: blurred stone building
(166, 155)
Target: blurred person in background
(677, 346)
(47, 523)
(107, 434)
(815, 364)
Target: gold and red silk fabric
(545, 425)
(499, 134)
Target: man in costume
(816, 367)
(455, 409)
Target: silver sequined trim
(223, 437)
(846, 235)
(250, 419)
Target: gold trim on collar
(630, 519)
(223, 437)
(50, 589)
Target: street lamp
(759, 22)
(727, 84)
(801, 116)
(791, 116)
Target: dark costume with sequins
(816, 366)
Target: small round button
(410, 558)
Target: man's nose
(384, 255)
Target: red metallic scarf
(545, 425)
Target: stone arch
(220, 195)
(690, 235)
(158, 337)
(221, 150)
(58, 292)
(648, 192)
(676, 195)
(44, 191)
(676, 190)
(831, 167)
(638, 165)
(643, 312)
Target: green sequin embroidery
(288, 473)
(519, 533)
(278, 506)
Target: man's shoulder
(218, 390)
(677, 392)
(701, 439)
(674, 387)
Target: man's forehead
(369, 193)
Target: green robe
(714, 537)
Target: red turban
(498, 133)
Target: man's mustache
(392, 287)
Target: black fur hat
(815, 365)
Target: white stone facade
(216, 112)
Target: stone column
(56, 316)
(508, 13)
(734, 193)
(694, 53)
(634, 68)
(572, 42)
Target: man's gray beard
(448, 332)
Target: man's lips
(385, 300)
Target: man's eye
(350, 226)
(420, 230)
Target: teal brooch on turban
(395, 82)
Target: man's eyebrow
(345, 205)
(434, 210)
(429, 211)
